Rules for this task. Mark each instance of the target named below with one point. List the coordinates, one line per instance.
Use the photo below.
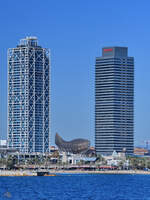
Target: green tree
(11, 162)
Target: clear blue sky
(75, 31)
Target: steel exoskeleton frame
(28, 97)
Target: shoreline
(63, 172)
(102, 172)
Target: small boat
(45, 173)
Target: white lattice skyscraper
(28, 97)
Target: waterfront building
(138, 151)
(114, 101)
(3, 143)
(28, 97)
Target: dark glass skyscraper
(114, 101)
(28, 97)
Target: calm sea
(68, 187)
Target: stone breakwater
(17, 173)
(58, 172)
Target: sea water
(76, 187)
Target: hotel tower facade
(28, 97)
(114, 101)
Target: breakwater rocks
(17, 173)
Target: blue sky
(75, 31)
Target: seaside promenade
(59, 172)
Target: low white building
(115, 159)
(75, 158)
(3, 142)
